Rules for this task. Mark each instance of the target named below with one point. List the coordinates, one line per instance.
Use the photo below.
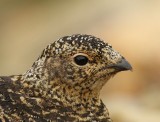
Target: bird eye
(81, 60)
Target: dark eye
(81, 60)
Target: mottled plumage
(64, 83)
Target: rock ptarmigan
(63, 84)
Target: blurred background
(131, 26)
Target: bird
(63, 84)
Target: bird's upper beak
(122, 65)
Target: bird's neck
(63, 100)
(54, 90)
(62, 92)
(50, 93)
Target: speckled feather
(55, 88)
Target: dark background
(131, 26)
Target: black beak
(122, 65)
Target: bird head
(82, 62)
